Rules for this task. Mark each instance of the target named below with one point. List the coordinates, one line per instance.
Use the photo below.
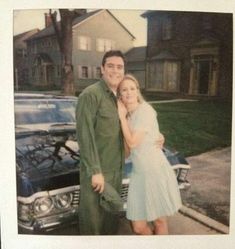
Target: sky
(25, 20)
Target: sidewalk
(186, 222)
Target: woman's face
(128, 92)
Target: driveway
(210, 177)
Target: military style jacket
(98, 130)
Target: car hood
(46, 160)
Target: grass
(195, 127)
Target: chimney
(48, 20)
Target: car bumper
(45, 224)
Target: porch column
(191, 83)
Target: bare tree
(64, 34)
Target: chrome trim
(126, 181)
(48, 222)
(181, 166)
(32, 198)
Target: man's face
(113, 71)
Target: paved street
(210, 176)
(179, 224)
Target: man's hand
(97, 182)
(160, 141)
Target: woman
(153, 191)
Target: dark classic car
(47, 163)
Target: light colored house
(94, 33)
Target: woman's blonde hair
(132, 78)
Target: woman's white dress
(153, 190)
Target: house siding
(100, 24)
(103, 26)
(188, 29)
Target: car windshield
(41, 111)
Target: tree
(64, 34)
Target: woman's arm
(132, 138)
(127, 149)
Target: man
(101, 146)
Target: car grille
(124, 192)
(75, 201)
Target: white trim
(31, 199)
(181, 166)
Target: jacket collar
(106, 88)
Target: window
(58, 70)
(21, 52)
(98, 72)
(84, 72)
(167, 29)
(171, 75)
(156, 75)
(34, 47)
(84, 43)
(163, 76)
(103, 45)
(49, 43)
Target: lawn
(195, 127)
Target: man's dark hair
(112, 53)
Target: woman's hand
(122, 111)
(160, 141)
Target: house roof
(136, 54)
(26, 34)
(147, 13)
(77, 21)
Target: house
(20, 57)
(136, 63)
(94, 33)
(189, 53)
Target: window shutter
(79, 72)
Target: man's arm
(86, 115)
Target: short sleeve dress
(153, 190)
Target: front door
(203, 76)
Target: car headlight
(63, 200)
(24, 212)
(43, 205)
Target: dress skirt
(153, 190)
